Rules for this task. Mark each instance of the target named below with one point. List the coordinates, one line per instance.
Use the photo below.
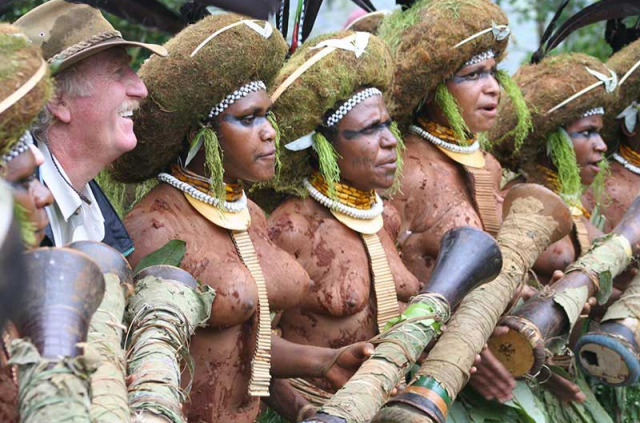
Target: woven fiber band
(76, 48)
(350, 104)
(594, 112)
(241, 92)
(483, 194)
(489, 54)
(261, 362)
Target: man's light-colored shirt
(71, 218)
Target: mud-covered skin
(435, 196)
(222, 351)
(339, 308)
(622, 187)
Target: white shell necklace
(464, 149)
(624, 162)
(231, 207)
(372, 213)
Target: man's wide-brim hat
(207, 61)
(626, 64)
(545, 86)
(434, 39)
(25, 85)
(69, 32)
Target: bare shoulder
(157, 219)
(292, 222)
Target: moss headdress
(184, 87)
(25, 85)
(321, 89)
(423, 39)
(547, 85)
(625, 63)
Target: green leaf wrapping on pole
(56, 394)
(109, 402)
(170, 253)
(399, 347)
(164, 314)
(529, 228)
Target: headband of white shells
(24, 143)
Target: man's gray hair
(71, 83)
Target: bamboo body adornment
(552, 313)
(534, 217)
(109, 402)
(467, 258)
(65, 289)
(611, 353)
(167, 306)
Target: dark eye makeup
(374, 127)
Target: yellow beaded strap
(577, 209)
(347, 195)
(261, 362)
(383, 284)
(482, 186)
(442, 132)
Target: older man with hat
(87, 123)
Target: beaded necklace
(443, 137)
(628, 158)
(350, 201)
(198, 187)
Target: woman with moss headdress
(206, 127)
(446, 91)
(24, 89)
(567, 95)
(341, 147)
(622, 133)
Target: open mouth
(490, 110)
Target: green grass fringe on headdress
(27, 227)
(524, 125)
(452, 111)
(213, 161)
(598, 187)
(271, 117)
(400, 149)
(328, 161)
(563, 157)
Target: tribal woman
(446, 92)
(206, 127)
(567, 95)
(341, 147)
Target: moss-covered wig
(423, 39)
(320, 90)
(625, 63)
(24, 74)
(545, 86)
(184, 87)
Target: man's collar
(66, 198)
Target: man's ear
(59, 108)
(625, 131)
